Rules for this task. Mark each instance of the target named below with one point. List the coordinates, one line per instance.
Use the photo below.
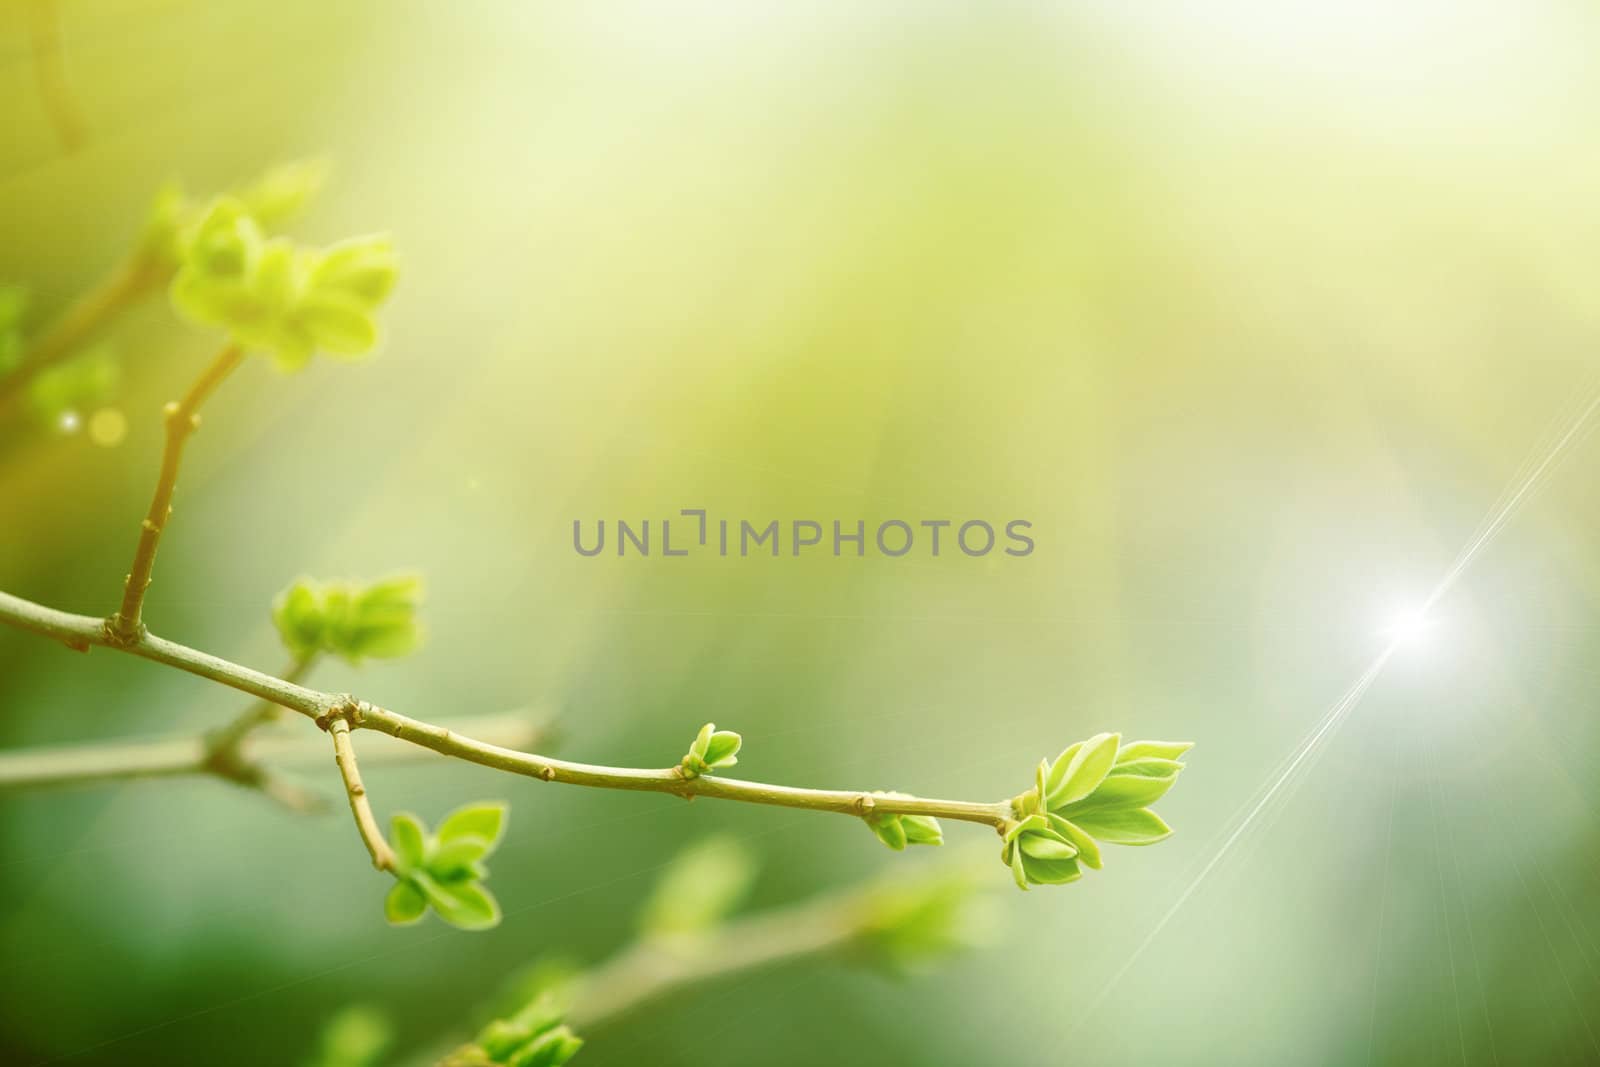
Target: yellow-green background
(1254, 309)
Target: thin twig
(654, 967)
(660, 965)
(344, 754)
(83, 632)
(182, 419)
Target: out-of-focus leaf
(357, 1036)
(699, 888)
(83, 381)
(464, 904)
(277, 297)
(355, 621)
(405, 903)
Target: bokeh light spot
(108, 427)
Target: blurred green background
(1253, 309)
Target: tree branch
(225, 744)
(344, 754)
(66, 766)
(83, 632)
(34, 768)
(182, 419)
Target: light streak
(1412, 623)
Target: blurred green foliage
(703, 884)
(357, 1036)
(1252, 309)
(274, 296)
(352, 620)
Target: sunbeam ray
(1510, 501)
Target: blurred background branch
(50, 74)
(688, 936)
(255, 761)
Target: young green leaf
(500, 1038)
(1121, 791)
(721, 750)
(550, 1049)
(1124, 827)
(922, 830)
(378, 619)
(465, 904)
(352, 620)
(458, 858)
(1042, 847)
(545, 1003)
(1087, 768)
(711, 748)
(1051, 871)
(1088, 850)
(360, 271)
(405, 903)
(702, 740)
(1148, 767)
(1153, 750)
(1019, 872)
(298, 614)
(485, 821)
(890, 830)
(409, 839)
(898, 831)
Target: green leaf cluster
(83, 381)
(898, 831)
(712, 748)
(533, 1037)
(86, 379)
(1096, 791)
(699, 889)
(353, 620)
(275, 296)
(445, 871)
(273, 199)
